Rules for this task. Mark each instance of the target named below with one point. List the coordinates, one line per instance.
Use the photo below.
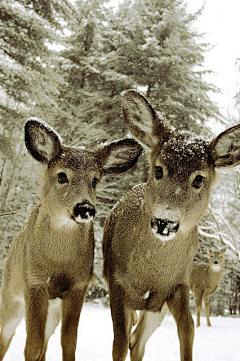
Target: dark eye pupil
(158, 172)
(197, 181)
(94, 182)
(62, 177)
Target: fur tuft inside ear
(42, 142)
(119, 156)
(225, 148)
(143, 122)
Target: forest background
(67, 63)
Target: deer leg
(11, 313)
(36, 305)
(71, 309)
(198, 295)
(53, 318)
(134, 318)
(123, 320)
(178, 305)
(147, 324)
(206, 307)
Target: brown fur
(204, 281)
(146, 265)
(49, 265)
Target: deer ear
(119, 156)
(142, 120)
(223, 250)
(225, 148)
(210, 251)
(42, 142)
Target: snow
(219, 342)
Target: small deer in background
(151, 235)
(204, 281)
(49, 265)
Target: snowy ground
(220, 342)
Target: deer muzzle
(164, 229)
(83, 212)
(216, 267)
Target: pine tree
(155, 48)
(28, 86)
(87, 100)
(28, 27)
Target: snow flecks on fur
(139, 193)
(185, 146)
(185, 153)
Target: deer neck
(214, 274)
(59, 241)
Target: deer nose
(83, 212)
(215, 262)
(165, 229)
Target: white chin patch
(163, 237)
(65, 222)
(81, 220)
(216, 268)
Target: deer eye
(95, 181)
(62, 178)
(158, 172)
(197, 181)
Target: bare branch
(7, 214)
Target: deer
(50, 264)
(204, 281)
(151, 235)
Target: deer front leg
(206, 307)
(198, 295)
(36, 308)
(178, 305)
(11, 312)
(147, 324)
(71, 309)
(123, 320)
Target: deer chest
(149, 277)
